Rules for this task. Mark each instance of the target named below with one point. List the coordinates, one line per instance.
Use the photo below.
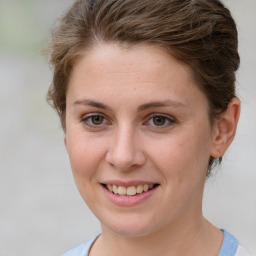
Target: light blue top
(229, 245)
(228, 248)
(82, 249)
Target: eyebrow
(91, 103)
(154, 104)
(166, 103)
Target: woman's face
(136, 123)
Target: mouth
(131, 190)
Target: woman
(146, 97)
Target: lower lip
(129, 200)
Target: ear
(225, 129)
(65, 141)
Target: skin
(125, 89)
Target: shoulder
(231, 246)
(82, 249)
(241, 251)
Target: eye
(94, 120)
(160, 120)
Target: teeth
(129, 191)
(145, 187)
(110, 187)
(139, 189)
(121, 190)
(115, 189)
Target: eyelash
(168, 120)
(87, 120)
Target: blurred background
(41, 212)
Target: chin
(127, 227)
(131, 232)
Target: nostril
(121, 160)
(124, 151)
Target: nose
(124, 151)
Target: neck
(184, 239)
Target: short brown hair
(200, 33)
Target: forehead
(143, 70)
(144, 59)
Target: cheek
(85, 156)
(183, 156)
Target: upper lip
(127, 183)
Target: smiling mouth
(131, 190)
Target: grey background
(41, 212)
